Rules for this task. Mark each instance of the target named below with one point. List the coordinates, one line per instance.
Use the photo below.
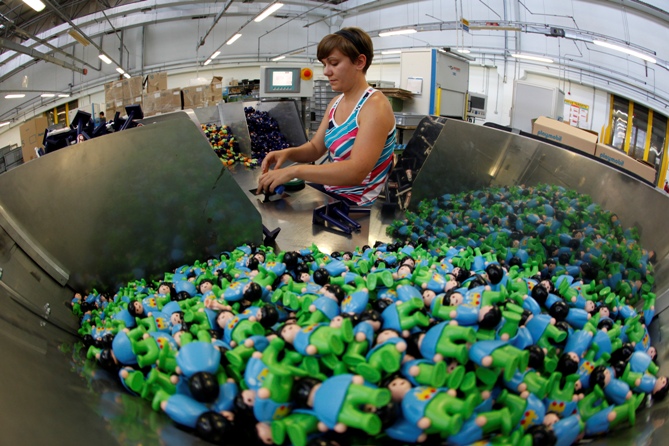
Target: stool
(337, 214)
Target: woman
(357, 131)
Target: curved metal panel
(131, 204)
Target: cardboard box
(156, 82)
(196, 97)
(619, 158)
(32, 135)
(132, 87)
(563, 133)
(163, 101)
(216, 87)
(110, 110)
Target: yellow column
(628, 133)
(55, 115)
(67, 114)
(649, 134)
(665, 160)
(607, 135)
(437, 106)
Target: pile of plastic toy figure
(515, 316)
(264, 132)
(225, 145)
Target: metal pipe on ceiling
(5, 43)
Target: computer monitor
(282, 80)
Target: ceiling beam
(5, 43)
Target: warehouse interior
(491, 98)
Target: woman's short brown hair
(351, 41)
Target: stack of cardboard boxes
(32, 136)
(158, 98)
(587, 142)
(119, 94)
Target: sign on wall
(577, 113)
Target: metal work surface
(129, 205)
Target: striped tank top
(339, 140)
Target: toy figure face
(139, 308)
(249, 397)
(305, 277)
(409, 261)
(289, 331)
(574, 357)
(452, 366)
(327, 293)
(404, 271)
(604, 312)
(607, 377)
(260, 256)
(659, 384)
(456, 299)
(398, 388)
(264, 433)
(652, 352)
(451, 284)
(385, 335)
(205, 286)
(164, 289)
(550, 419)
(428, 297)
(175, 318)
(589, 306)
(223, 318)
(336, 322)
(546, 284)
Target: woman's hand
(275, 158)
(271, 179)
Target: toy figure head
(268, 316)
(413, 344)
(524, 317)
(205, 285)
(515, 261)
(568, 363)
(166, 289)
(652, 352)
(321, 276)
(107, 361)
(302, 392)
(381, 304)
(541, 435)
(371, 316)
(600, 376)
(661, 388)
(333, 291)
(550, 419)
(291, 258)
(460, 274)
(495, 273)
(559, 310)
(618, 367)
(428, 297)
(252, 292)
(288, 332)
(302, 273)
(182, 295)
(624, 352)
(214, 428)
(605, 324)
(476, 280)
(223, 318)
(537, 357)
(590, 307)
(489, 317)
(384, 335)
(398, 387)
(204, 387)
(588, 271)
(540, 294)
(404, 270)
(136, 309)
(453, 298)
(388, 413)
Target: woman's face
(339, 70)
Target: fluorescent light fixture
(215, 55)
(104, 58)
(37, 5)
(126, 75)
(63, 95)
(2, 124)
(120, 70)
(278, 58)
(625, 50)
(15, 96)
(535, 58)
(391, 52)
(207, 62)
(397, 32)
(268, 12)
(233, 39)
(463, 51)
(48, 95)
